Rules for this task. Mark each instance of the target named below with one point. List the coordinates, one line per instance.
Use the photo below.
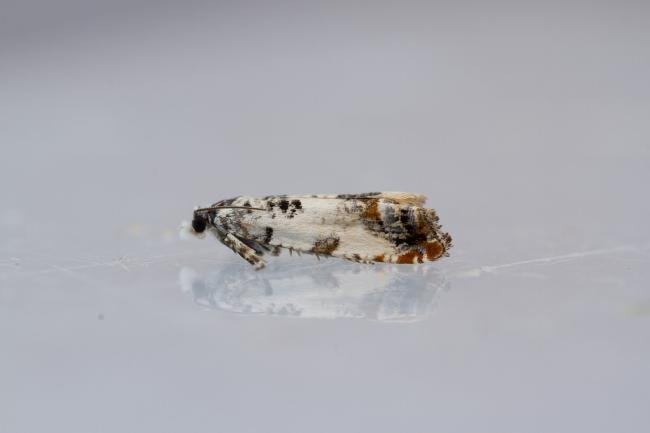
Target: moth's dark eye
(199, 223)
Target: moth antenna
(207, 209)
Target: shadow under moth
(389, 227)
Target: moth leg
(244, 251)
(358, 259)
(260, 249)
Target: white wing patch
(396, 197)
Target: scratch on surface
(75, 275)
(127, 263)
(551, 260)
(124, 262)
(13, 262)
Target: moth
(389, 227)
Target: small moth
(389, 227)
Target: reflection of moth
(390, 227)
(331, 290)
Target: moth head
(199, 222)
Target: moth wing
(379, 227)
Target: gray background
(525, 123)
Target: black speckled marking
(404, 216)
(362, 195)
(271, 197)
(268, 235)
(223, 223)
(296, 204)
(326, 246)
(284, 205)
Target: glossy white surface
(526, 127)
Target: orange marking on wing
(372, 210)
(409, 257)
(434, 250)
